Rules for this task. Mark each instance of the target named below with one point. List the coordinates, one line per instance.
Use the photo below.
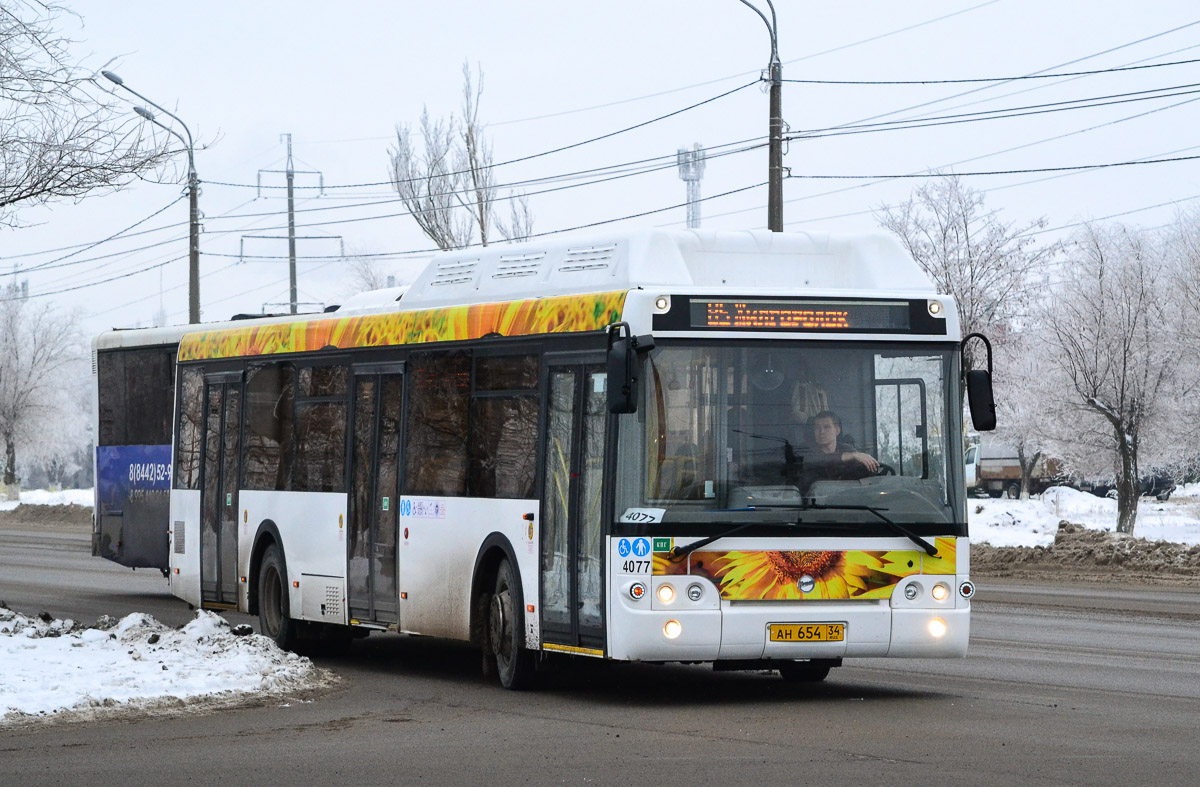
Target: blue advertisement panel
(133, 484)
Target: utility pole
(290, 174)
(775, 145)
(291, 180)
(691, 171)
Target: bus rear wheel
(274, 608)
(813, 671)
(505, 631)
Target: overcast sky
(556, 73)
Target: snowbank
(1010, 523)
(60, 669)
(41, 497)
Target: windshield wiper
(681, 552)
(896, 527)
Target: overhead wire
(985, 79)
(519, 159)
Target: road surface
(1064, 684)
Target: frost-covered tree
(986, 264)
(61, 136)
(1113, 359)
(58, 441)
(39, 344)
(1023, 397)
(446, 179)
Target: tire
(505, 646)
(274, 607)
(1012, 491)
(813, 671)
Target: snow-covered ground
(40, 497)
(1027, 523)
(58, 669)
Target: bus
(605, 447)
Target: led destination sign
(801, 315)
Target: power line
(997, 171)
(995, 114)
(984, 79)
(530, 157)
(1032, 73)
(85, 246)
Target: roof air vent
(454, 272)
(512, 266)
(588, 258)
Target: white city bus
(602, 448)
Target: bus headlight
(666, 594)
(937, 628)
(695, 592)
(940, 592)
(672, 629)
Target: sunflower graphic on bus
(776, 575)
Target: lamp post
(775, 146)
(193, 192)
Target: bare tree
(1106, 339)
(39, 344)
(986, 264)
(61, 136)
(448, 185)
(519, 226)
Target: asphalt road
(1064, 684)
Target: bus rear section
(135, 384)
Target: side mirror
(979, 389)
(623, 367)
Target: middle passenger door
(371, 568)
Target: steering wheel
(885, 469)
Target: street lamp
(775, 146)
(193, 192)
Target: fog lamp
(672, 629)
(937, 628)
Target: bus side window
(504, 421)
(267, 463)
(435, 451)
(191, 411)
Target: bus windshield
(813, 432)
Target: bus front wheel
(505, 631)
(274, 608)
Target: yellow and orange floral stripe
(559, 314)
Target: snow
(61, 670)
(41, 497)
(1006, 523)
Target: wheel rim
(272, 614)
(499, 628)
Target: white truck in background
(994, 469)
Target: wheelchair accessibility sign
(640, 547)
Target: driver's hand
(866, 460)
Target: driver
(829, 458)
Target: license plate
(808, 632)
